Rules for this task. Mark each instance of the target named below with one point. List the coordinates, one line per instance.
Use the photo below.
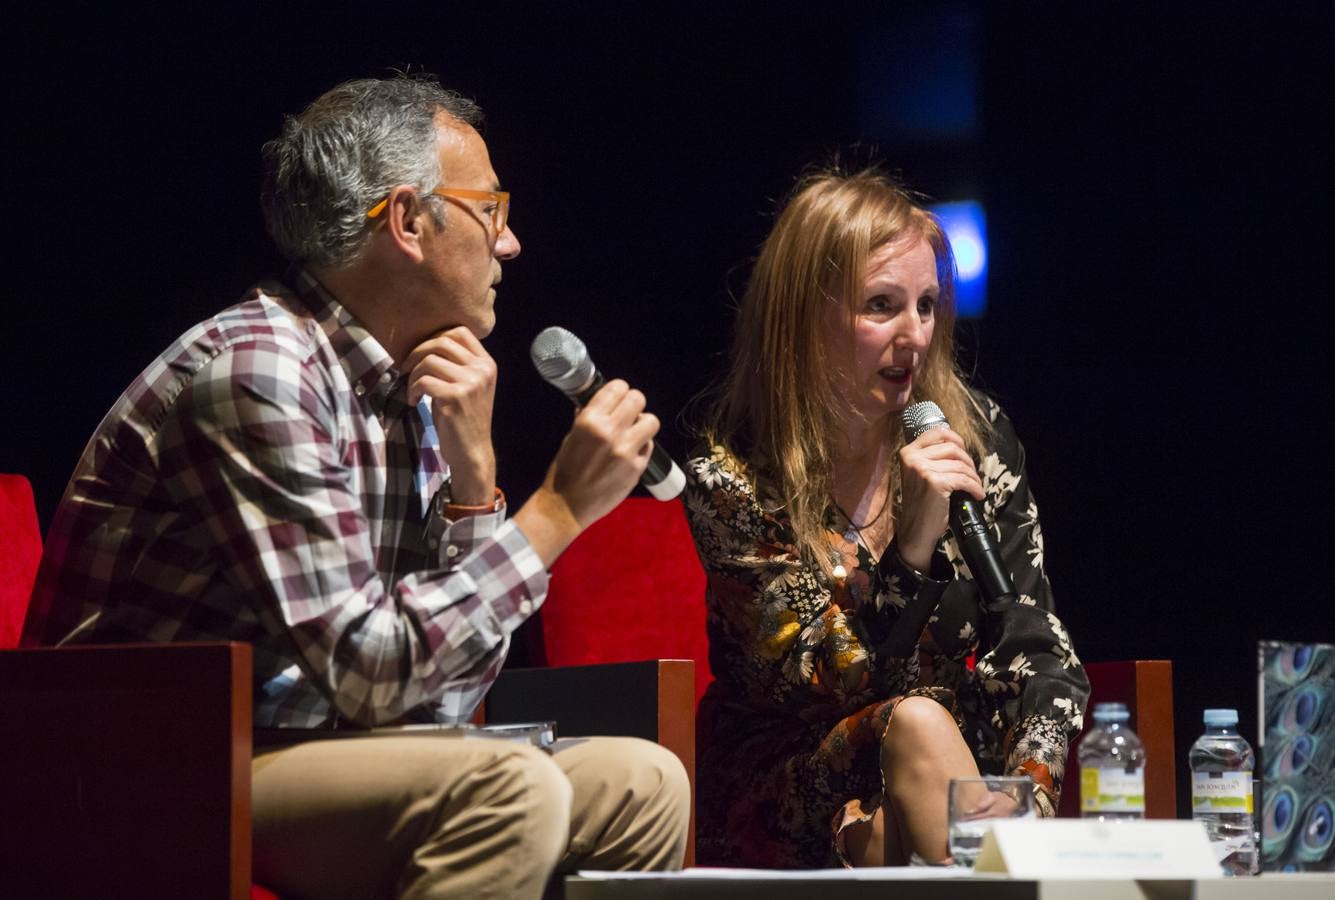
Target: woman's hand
(993, 805)
(932, 468)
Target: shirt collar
(366, 362)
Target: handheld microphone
(563, 362)
(966, 516)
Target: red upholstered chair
(629, 588)
(94, 733)
(101, 794)
(20, 551)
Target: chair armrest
(654, 700)
(1146, 687)
(126, 770)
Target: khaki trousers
(427, 817)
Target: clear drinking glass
(975, 803)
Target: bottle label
(1112, 790)
(1221, 792)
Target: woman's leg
(877, 841)
(922, 749)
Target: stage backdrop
(1158, 323)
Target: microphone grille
(561, 358)
(920, 416)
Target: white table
(929, 884)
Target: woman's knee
(920, 725)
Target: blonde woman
(827, 736)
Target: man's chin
(487, 318)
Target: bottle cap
(1112, 712)
(1217, 718)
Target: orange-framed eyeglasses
(499, 211)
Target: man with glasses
(311, 471)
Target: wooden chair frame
(1146, 687)
(126, 768)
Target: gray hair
(343, 154)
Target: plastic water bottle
(1221, 791)
(1112, 767)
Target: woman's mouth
(897, 374)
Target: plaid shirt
(265, 480)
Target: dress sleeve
(1031, 679)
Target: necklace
(854, 525)
(877, 476)
(839, 571)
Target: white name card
(1088, 848)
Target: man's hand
(460, 378)
(598, 463)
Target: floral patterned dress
(788, 736)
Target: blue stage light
(966, 226)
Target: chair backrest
(629, 588)
(20, 552)
(1146, 687)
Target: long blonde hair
(778, 406)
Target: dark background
(1156, 181)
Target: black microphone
(966, 516)
(563, 361)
